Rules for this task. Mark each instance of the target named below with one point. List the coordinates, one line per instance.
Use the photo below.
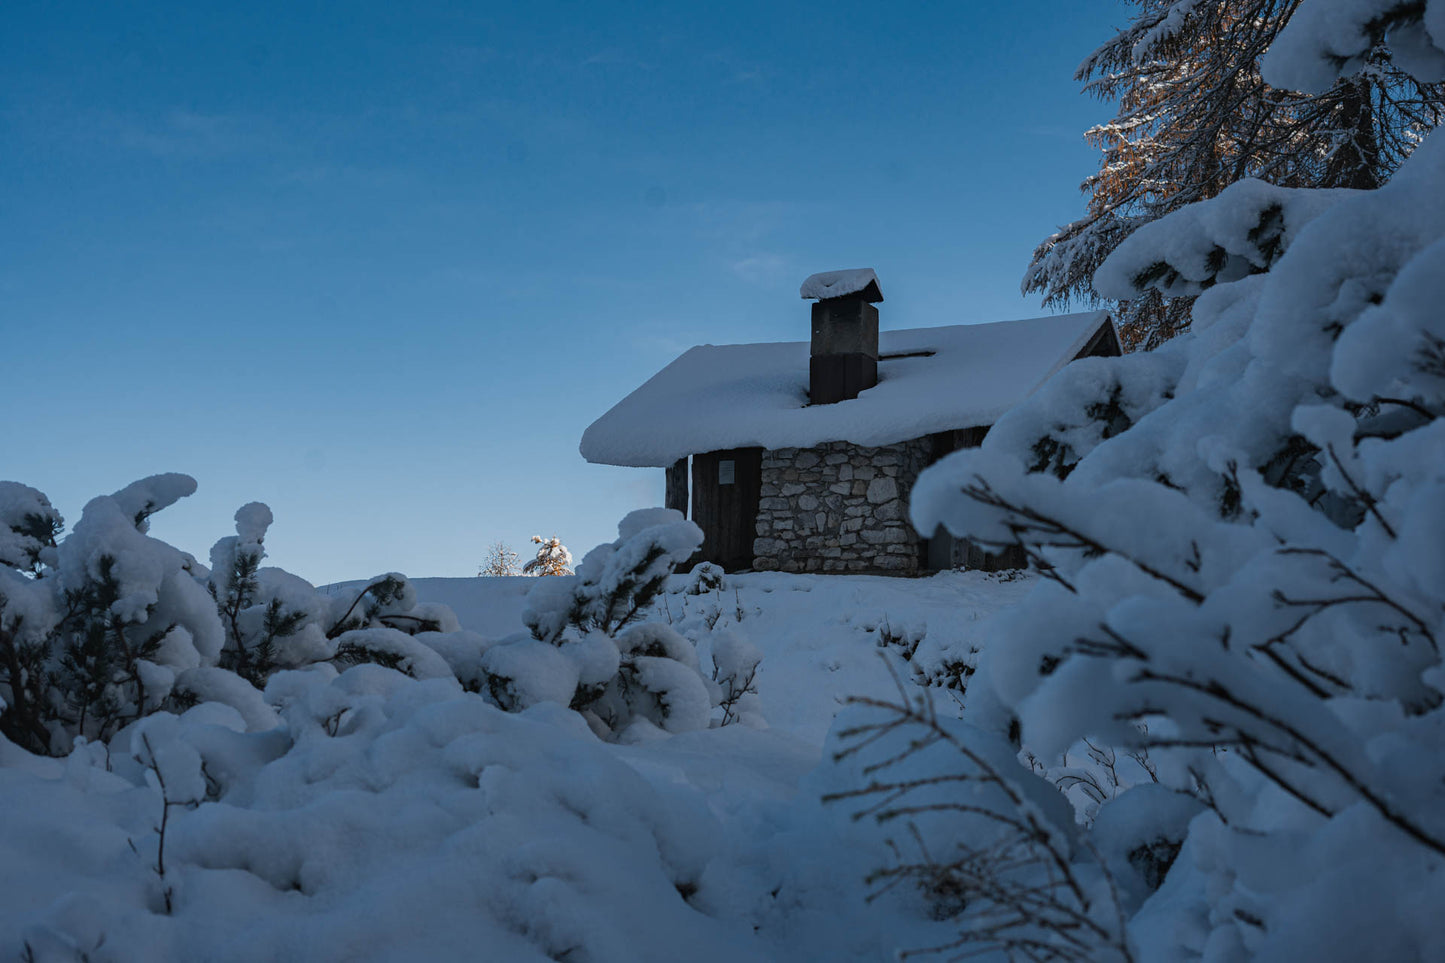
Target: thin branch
(1043, 524)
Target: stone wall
(839, 508)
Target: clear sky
(379, 264)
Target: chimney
(844, 359)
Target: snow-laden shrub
(95, 629)
(1243, 535)
(108, 625)
(275, 620)
(29, 526)
(734, 674)
(523, 672)
(705, 577)
(272, 619)
(626, 670)
(388, 601)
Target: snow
(756, 395)
(1160, 33)
(252, 520)
(29, 610)
(1328, 38)
(1222, 239)
(818, 636)
(21, 509)
(1214, 732)
(835, 284)
(107, 542)
(684, 704)
(529, 671)
(216, 687)
(141, 499)
(391, 818)
(412, 657)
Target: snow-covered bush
(593, 633)
(1243, 534)
(705, 577)
(383, 623)
(618, 581)
(108, 625)
(657, 681)
(272, 619)
(735, 674)
(95, 630)
(29, 526)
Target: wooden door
(725, 489)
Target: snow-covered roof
(835, 284)
(756, 395)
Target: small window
(726, 471)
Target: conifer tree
(1243, 578)
(553, 558)
(1195, 116)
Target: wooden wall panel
(676, 496)
(1104, 344)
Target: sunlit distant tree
(552, 558)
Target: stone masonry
(839, 507)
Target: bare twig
(1020, 893)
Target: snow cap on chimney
(836, 284)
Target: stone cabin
(799, 456)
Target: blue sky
(378, 265)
